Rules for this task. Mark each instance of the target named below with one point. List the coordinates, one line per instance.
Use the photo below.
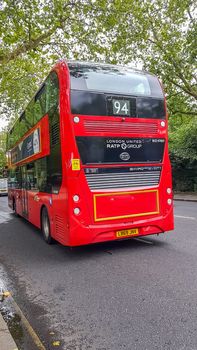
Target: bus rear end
(120, 174)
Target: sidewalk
(185, 196)
(6, 340)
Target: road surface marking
(29, 328)
(185, 217)
(27, 325)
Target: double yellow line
(24, 321)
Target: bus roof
(89, 65)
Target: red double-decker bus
(88, 157)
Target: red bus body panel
(104, 212)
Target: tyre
(45, 226)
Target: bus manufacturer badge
(75, 164)
(124, 156)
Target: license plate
(127, 233)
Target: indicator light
(76, 211)
(169, 201)
(76, 198)
(169, 190)
(163, 124)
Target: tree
(3, 160)
(33, 36)
(160, 35)
(183, 150)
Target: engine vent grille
(59, 226)
(124, 178)
(120, 127)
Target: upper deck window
(113, 79)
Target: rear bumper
(83, 235)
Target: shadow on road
(24, 239)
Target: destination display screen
(92, 103)
(94, 150)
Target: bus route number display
(121, 107)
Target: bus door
(24, 191)
(32, 198)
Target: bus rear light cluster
(77, 211)
(76, 198)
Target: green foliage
(183, 152)
(33, 36)
(162, 36)
(3, 159)
(184, 142)
(158, 35)
(2, 163)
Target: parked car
(3, 186)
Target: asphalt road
(137, 294)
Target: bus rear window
(113, 79)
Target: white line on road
(185, 217)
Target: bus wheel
(45, 225)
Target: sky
(3, 124)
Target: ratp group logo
(123, 146)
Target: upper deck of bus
(96, 84)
